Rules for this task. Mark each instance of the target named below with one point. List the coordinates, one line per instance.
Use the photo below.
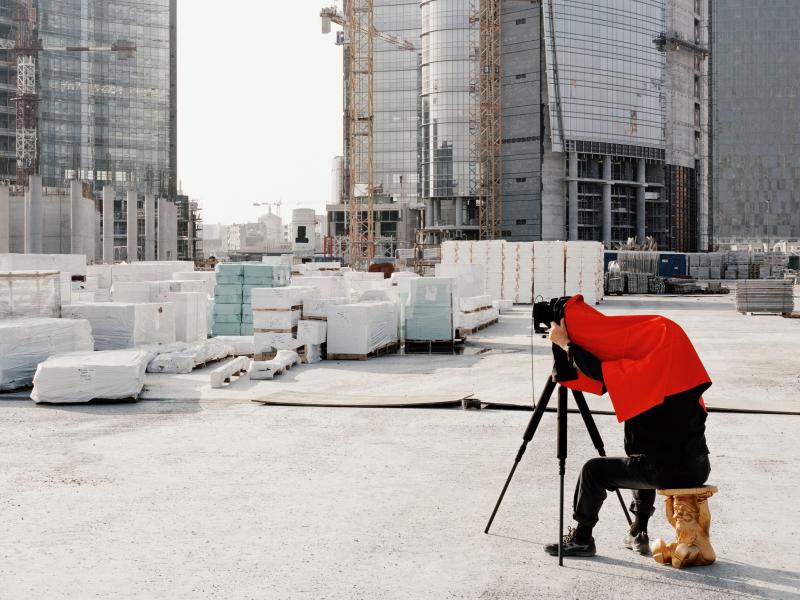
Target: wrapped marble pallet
(490, 255)
(356, 330)
(103, 273)
(242, 344)
(140, 291)
(208, 278)
(24, 343)
(150, 271)
(457, 252)
(584, 270)
(548, 270)
(85, 376)
(429, 312)
(474, 303)
(276, 320)
(191, 315)
(518, 272)
(117, 325)
(30, 294)
(470, 279)
(328, 287)
(183, 357)
(312, 332)
(283, 298)
(317, 308)
(66, 263)
(272, 341)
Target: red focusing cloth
(644, 357)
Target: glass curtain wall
(105, 118)
(446, 102)
(395, 100)
(605, 70)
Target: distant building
(755, 124)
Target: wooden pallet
(461, 332)
(314, 318)
(292, 330)
(262, 356)
(387, 349)
(479, 309)
(792, 315)
(430, 346)
(296, 307)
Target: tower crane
(359, 31)
(27, 48)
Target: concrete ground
(209, 495)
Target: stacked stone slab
(233, 314)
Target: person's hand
(558, 334)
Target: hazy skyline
(259, 106)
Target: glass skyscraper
(104, 117)
(755, 125)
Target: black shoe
(571, 547)
(638, 543)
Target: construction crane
(27, 48)
(486, 120)
(359, 32)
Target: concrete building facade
(755, 126)
(604, 119)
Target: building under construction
(90, 92)
(526, 121)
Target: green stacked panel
(429, 312)
(233, 314)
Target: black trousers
(638, 473)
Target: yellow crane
(359, 32)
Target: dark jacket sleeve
(587, 363)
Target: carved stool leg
(687, 511)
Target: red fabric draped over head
(644, 357)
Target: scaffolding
(486, 119)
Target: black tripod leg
(541, 405)
(591, 427)
(562, 459)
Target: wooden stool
(687, 511)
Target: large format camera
(546, 312)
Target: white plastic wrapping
(67, 263)
(328, 287)
(272, 341)
(209, 279)
(358, 329)
(86, 376)
(282, 298)
(312, 332)
(317, 308)
(518, 272)
(474, 303)
(24, 343)
(30, 294)
(275, 319)
(191, 315)
(103, 274)
(243, 345)
(141, 291)
(548, 270)
(150, 271)
(121, 325)
(470, 278)
(584, 270)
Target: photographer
(655, 380)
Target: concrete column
(26, 221)
(35, 215)
(161, 236)
(572, 192)
(108, 224)
(172, 229)
(132, 223)
(640, 201)
(459, 212)
(607, 201)
(5, 221)
(149, 227)
(428, 212)
(76, 218)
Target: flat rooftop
(194, 492)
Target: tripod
(561, 443)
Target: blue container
(672, 265)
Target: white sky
(259, 106)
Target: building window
(697, 142)
(521, 76)
(520, 22)
(697, 86)
(522, 179)
(696, 115)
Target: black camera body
(548, 311)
